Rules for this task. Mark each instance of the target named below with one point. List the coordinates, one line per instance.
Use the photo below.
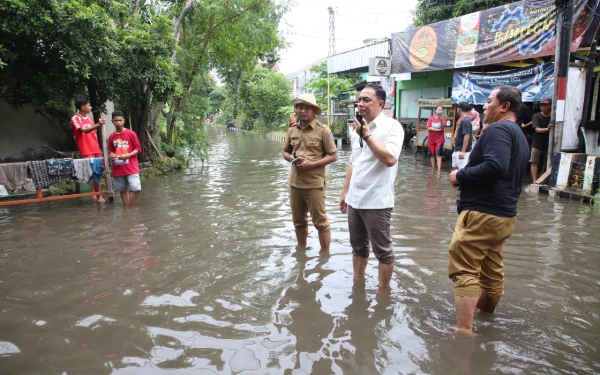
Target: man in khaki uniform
(309, 146)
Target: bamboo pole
(328, 100)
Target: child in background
(124, 146)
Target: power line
(323, 37)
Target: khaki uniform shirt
(292, 120)
(312, 143)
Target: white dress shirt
(372, 183)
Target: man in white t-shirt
(368, 192)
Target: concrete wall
(437, 80)
(22, 129)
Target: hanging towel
(82, 170)
(96, 164)
(60, 167)
(40, 176)
(13, 175)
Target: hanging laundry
(96, 164)
(82, 170)
(40, 176)
(13, 175)
(60, 167)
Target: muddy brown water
(203, 278)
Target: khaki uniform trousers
(475, 254)
(304, 201)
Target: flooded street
(203, 277)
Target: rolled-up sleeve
(394, 140)
(288, 142)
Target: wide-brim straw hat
(308, 99)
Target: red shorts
(436, 148)
(91, 156)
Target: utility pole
(331, 32)
(564, 28)
(331, 53)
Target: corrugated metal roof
(357, 58)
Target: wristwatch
(366, 136)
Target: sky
(306, 26)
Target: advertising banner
(534, 82)
(515, 31)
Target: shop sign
(534, 82)
(515, 31)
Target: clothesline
(46, 173)
(49, 172)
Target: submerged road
(203, 278)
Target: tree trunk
(171, 128)
(97, 103)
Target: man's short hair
(379, 91)
(81, 101)
(511, 95)
(117, 114)
(465, 107)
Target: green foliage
(161, 167)
(339, 127)
(318, 85)
(262, 93)
(431, 11)
(64, 187)
(285, 112)
(409, 132)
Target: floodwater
(203, 277)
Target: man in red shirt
(85, 131)
(124, 147)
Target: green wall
(440, 78)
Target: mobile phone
(296, 158)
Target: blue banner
(535, 82)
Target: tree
(144, 55)
(55, 50)
(231, 35)
(318, 85)
(262, 93)
(431, 11)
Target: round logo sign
(381, 67)
(423, 47)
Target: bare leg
(125, 198)
(133, 197)
(487, 303)
(325, 240)
(439, 161)
(95, 186)
(301, 236)
(465, 310)
(385, 274)
(432, 162)
(359, 264)
(534, 171)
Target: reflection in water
(202, 277)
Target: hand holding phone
(296, 159)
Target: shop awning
(358, 59)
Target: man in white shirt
(368, 192)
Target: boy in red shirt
(124, 146)
(85, 131)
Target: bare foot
(384, 289)
(94, 200)
(463, 333)
(101, 200)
